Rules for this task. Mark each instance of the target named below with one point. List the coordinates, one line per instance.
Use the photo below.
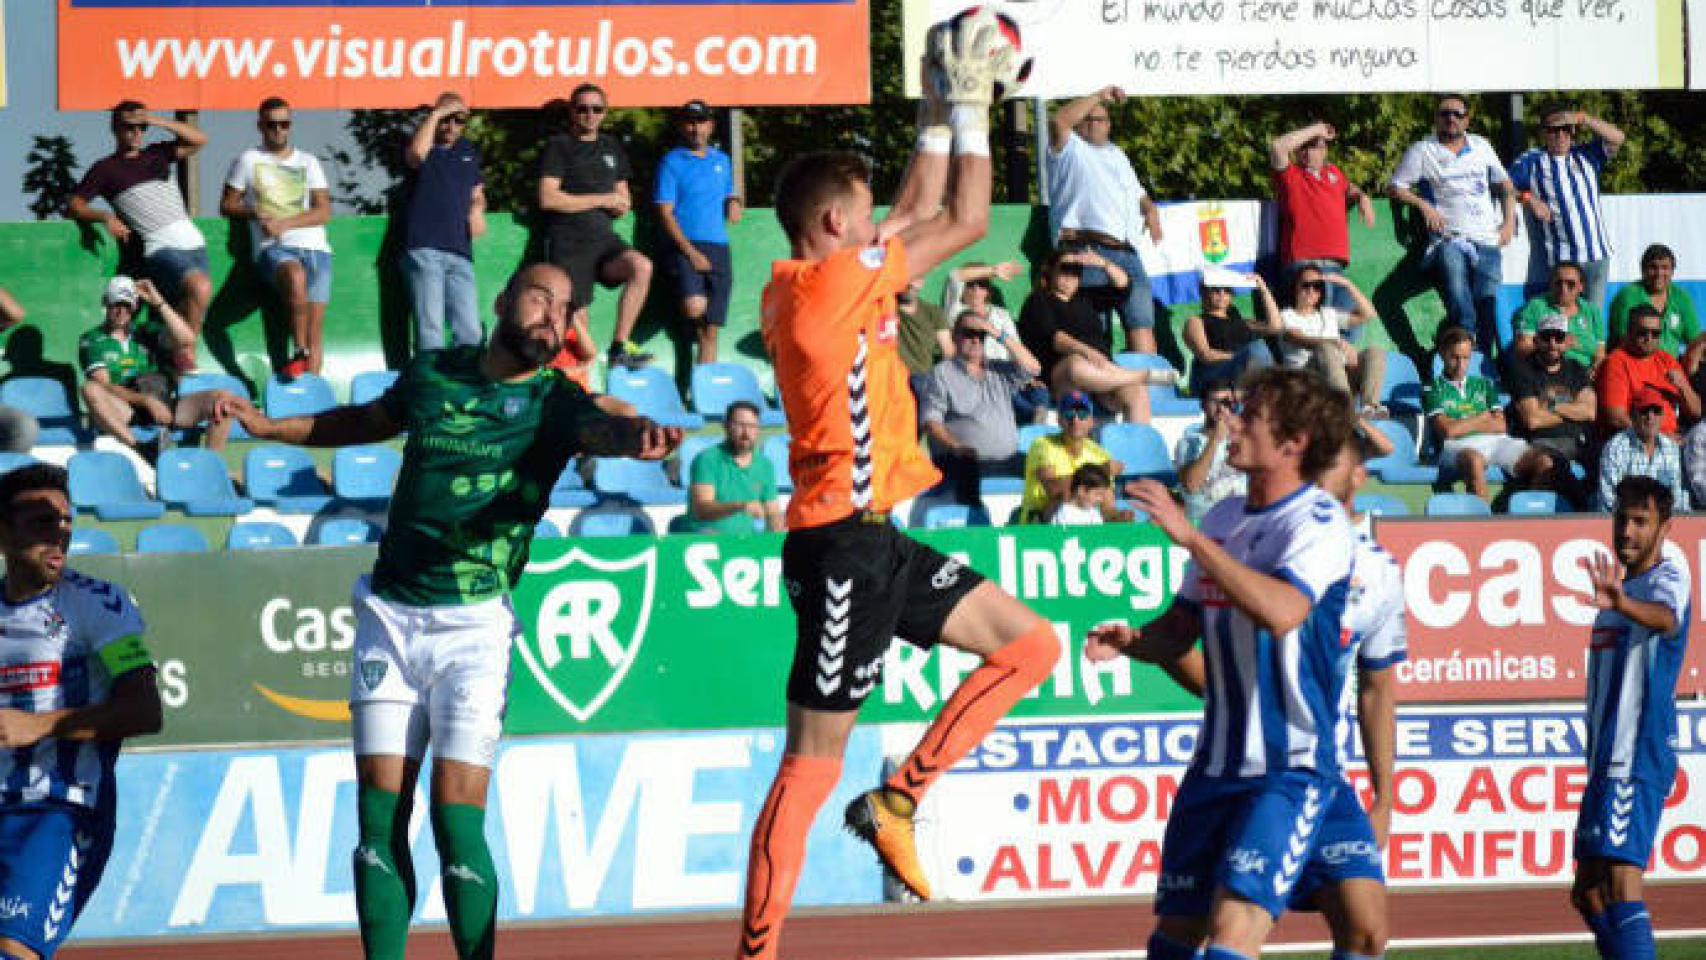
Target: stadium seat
(170, 538)
(1031, 432)
(259, 535)
(570, 489)
(684, 456)
(1457, 505)
(611, 522)
(346, 531)
(106, 483)
(1381, 505)
(653, 394)
(1164, 401)
(1000, 485)
(370, 385)
(1535, 503)
(776, 451)
(44, 398)
(642, 481)
(716, 385)
(203, 382)
(1479, 366)
(1141, 449)
(92, 542)
(195, 481)
(953, 516)
(1400, 467)
(1402, 391)
(12, 461)
(302, 397)
(546, 530)
(285, 479)
(365, 474)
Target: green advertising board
(623, 635)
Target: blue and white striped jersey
(1374, 623)
(1632, 675)
(1570, 186)
(1272, 703)
(55, 652)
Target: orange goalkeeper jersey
(830, 326)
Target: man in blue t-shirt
(446, 210)
(696, 201)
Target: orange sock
(779, 847)
(974, 709)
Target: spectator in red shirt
(1636, 363)
(1312, 195)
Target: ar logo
(586, 625)
(460, 420)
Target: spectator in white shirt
(1091, 498)
(1313, 338)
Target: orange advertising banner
(231, 54)
(1498, 610)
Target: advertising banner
(1498, 610)
(228, 841)
(1197, 47)
(346, 54)
(1484, 796)
(622, 635)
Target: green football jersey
(1478, 395)
(124, 360)
(478, 468)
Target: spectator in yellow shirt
(1052, 460)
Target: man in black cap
(696, 201)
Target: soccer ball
(1017, 67)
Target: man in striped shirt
(1634, 655)
(1559, 183)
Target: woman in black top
(1061, 326)
(1223, 344)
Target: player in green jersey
(489, 430)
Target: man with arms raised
(855, 582)
(75, 681)
(1268, 582)
(1634, 656)
(489, 430)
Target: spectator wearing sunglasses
(1643, 450)
(1559, 184)
(1554, 406)
(583, 191)
(1657, 289)
(1639, 363)
(966, 406)
(1223, 344)
(1584, 341)
(1313, 338)
(1451, 179)
(1052, 460)
(1311, 195)
(445, 210)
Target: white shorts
(1498, 449)
(438, 673)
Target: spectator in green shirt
(1464, 412)
(924, 336)
(732, 488)
(1585, 341)
(1675, 307)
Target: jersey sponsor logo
(582, 634)
(460, 420)
(888, 329)
(873, 258)
(27, 677)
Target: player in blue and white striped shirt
(1559, 182)
(1265, 591)
(1634, 656)
(75, 680)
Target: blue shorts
(1345, 850)
(169, 267)
(1619, 819)
(51, 858)
(713, 284)
(1251, 835)
(316, 263)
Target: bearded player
(830, 323)
(489, 430)
(75, 681)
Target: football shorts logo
(584, 624)
(373, 673)
(1247, 860)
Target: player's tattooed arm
(636, 437)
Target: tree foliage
(51, 174)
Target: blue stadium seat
(259, 535)
(1479, 366)
(1535, 503)
(1381, 505)
(345, 531)
(1000, 485)
(92, 542)
(195, 481)
(203, 382)
(653, 394)
(776, 451)
(170, 538)
(1141, 449)
(370, 385)
(45, 399)
(1457, 505)
(570, 489)
(685, 455)
(365, 473)
(285, 479)
(546, 530)
(611, 522)
(1400, 467)
(11, 461)
(642, 481)
(953, 516)
(716, 385)
(106, 483)
(1164, 401)
(302, 397)
(1031, 432)
(1402, 391)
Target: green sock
(470, 880)
(384, 874)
